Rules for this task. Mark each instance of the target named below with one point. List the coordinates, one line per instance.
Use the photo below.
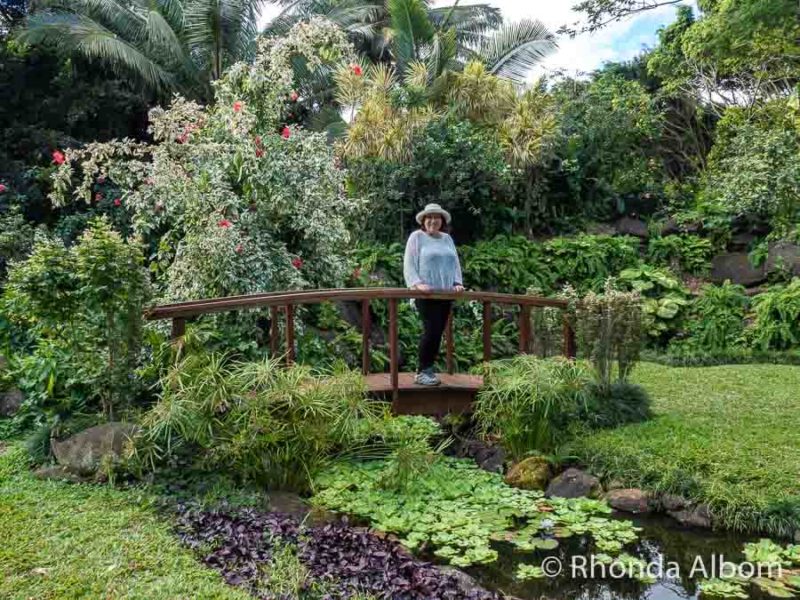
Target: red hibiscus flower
(286, 133)
(357, 70)
(117, 202)
(237, 106)
(259, 153)
(224, 223)
(294, 96)
(239, 248)
(58, 157)
(3, 188)
(297, 262)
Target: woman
(431, 264)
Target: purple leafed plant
(239, 545)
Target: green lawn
(84, 541)
(727, 435)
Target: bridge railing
(286, 301)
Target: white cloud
(584, 53)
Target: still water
(682, 552)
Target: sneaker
(427, 378)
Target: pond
(682, 552)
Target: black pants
(434, 315)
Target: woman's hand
(458, 288)
(422, 287)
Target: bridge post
(178, 328)
(289, 334)
(487, 331)
(273, 331)
(393, 357)
(524, 328)
(366, 329)
(570, 350)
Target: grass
(89, 541)
(727, 435)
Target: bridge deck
(455, 395)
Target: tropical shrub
(505, 264)
(227, 199)
(716, 320)
(620, 403)
(586, 261)
(776, 318)
(258, 420)
(664, 297)
(688, 253)
(529, 402)
(82, 311)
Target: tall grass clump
(257, 420)
(529, 402)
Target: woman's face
(432, 223)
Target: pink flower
(239, 248)
(294, 96)
(258, 140)
(58, 157)
(224, 223)
(259, 153)
(286, 132)
(183, 138)
(237, 106)
(98, 197)
(297, 262)
(3, 188)
(357, 70)
(117, 202)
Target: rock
(574, 483)
(736, 267)
(465, 582)
(10, 401)
(58, 473)
(533, 473)
(630, 500)
(697, 516)
(84, 452)
(783, 255)
(614, 484)
(742, 240)
(631, 226)
(672, 502)
(486, 456)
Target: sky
(586, 52)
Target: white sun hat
(433, 209)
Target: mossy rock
(532, 473)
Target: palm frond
(411, 29)
(161, 36)
(80, 35)
(514, 49)
(442, 52)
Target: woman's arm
(411, 261)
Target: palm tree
(405, 31)
(164, 45)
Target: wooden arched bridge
(457, 390)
